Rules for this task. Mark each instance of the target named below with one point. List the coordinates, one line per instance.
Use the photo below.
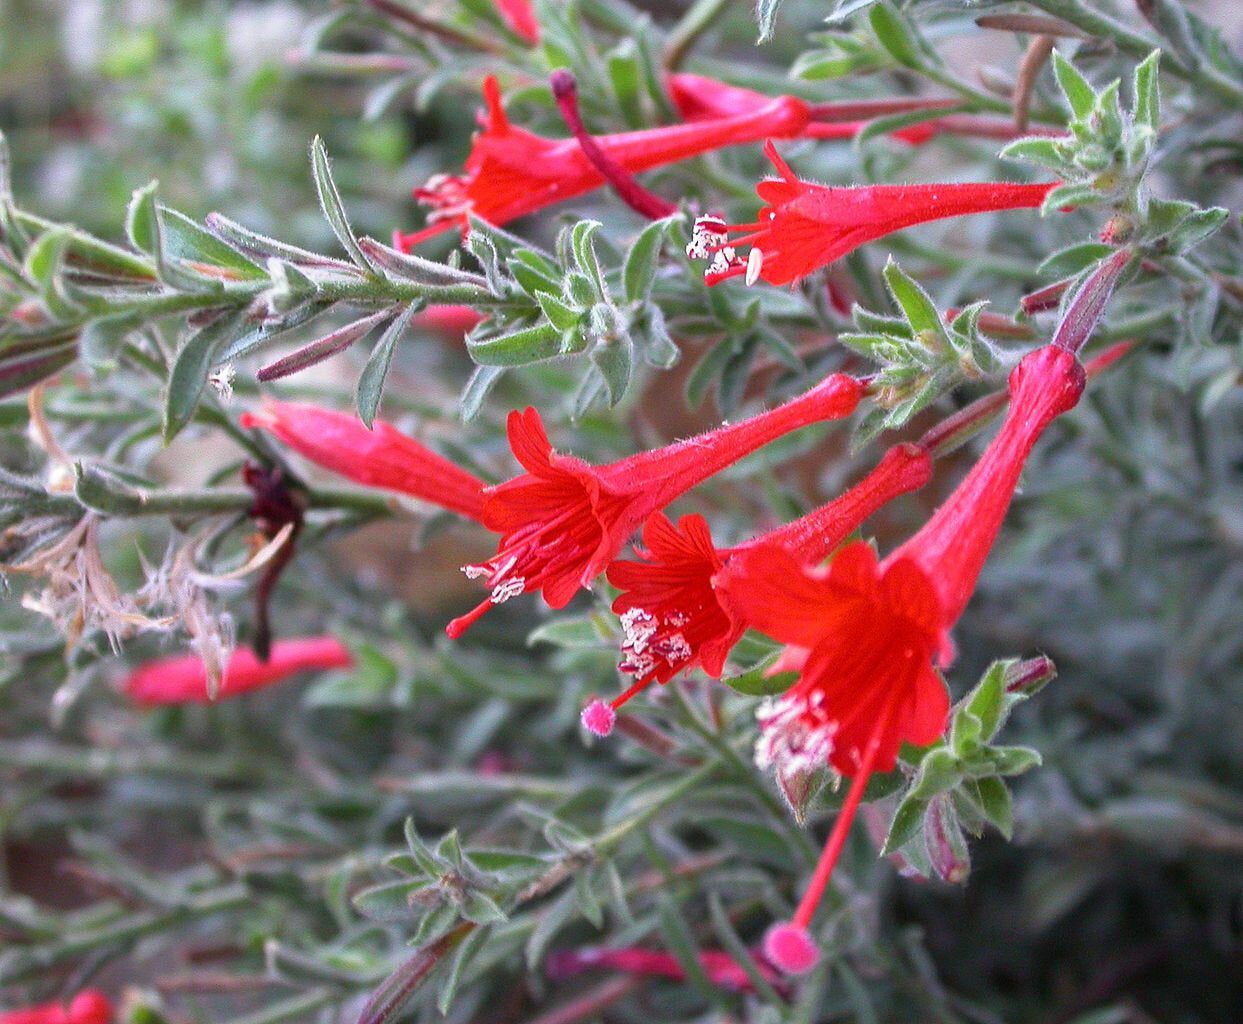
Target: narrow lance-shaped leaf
(371, 380)
(191, 366)
(528, 345)
(142, 225)
(185, 240)
(639, 270)
(896, 36)
(476, 390)
(249, 241)
(334, 209)
(1079, 94)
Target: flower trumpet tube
(671, 617)
(183, 679)
(511, 172)
(806, 226)
(721, 968)
(700, 98)
(563, 520)
(87, 1007)
(380, 457)
(865, 635)
(448, 320)
(519, 17)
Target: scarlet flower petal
(451, 321)
(770, 590)
(529, 442)
(870, 630)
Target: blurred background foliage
(201, 862)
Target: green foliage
(922, 354)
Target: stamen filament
(841, 827)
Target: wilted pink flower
(721, 968)
(699, 98)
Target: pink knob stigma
(790, 948)
(598, 718)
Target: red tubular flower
(520, 17)
(865, 634)
(669, 609)
(183, 680)
(563, 520)
(88, 1007)
(699, 98)
(721, 968)
(805, 226)
(381, 457)
(511, 172)
(451, 321)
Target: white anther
(755, 263)
(507, 589)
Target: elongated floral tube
(88, 1007)
(449, 320)
(699, 98)
(721, 968)
(380, 457)
(511, 172)
(806, 226)
(563, 520)
(519, 16)
(671, 617)
(183, 679)
(865, 634)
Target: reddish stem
(646, 204)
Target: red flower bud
(183, 680)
